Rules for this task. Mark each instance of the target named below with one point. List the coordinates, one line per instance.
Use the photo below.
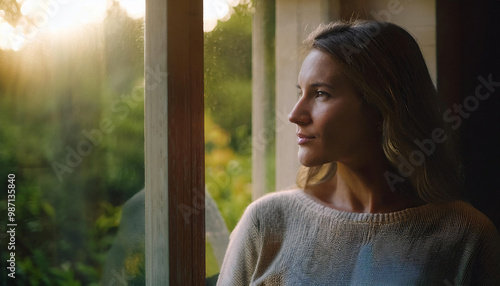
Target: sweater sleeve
(242, 253)
(487, 266)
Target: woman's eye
(320, 93)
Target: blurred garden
(72, 132)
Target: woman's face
(333, 123)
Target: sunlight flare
(56, 16)
(135, 8)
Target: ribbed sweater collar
(427, 210)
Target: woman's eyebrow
(317, 84)
(322, 84)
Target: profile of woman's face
(333, 123)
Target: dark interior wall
(468, 48)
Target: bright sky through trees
(57, 16)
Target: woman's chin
(309, 162)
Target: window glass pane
(71, 116)
(228, 142)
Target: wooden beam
(175, 218)
(186, 142)
(156, 144)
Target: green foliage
(228, 75)
(227, 174)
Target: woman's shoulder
(274, 201)
(464, 210)
(278, 196)
(462, 215)
(273, 207)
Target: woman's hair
(385, 64)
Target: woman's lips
(303, 138)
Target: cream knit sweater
(287, 238)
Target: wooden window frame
(174, 144)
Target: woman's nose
(299, 114)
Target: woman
(379, 198)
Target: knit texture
(287, 238)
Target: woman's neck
(361, 190)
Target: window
(71, 100)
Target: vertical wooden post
(186, 147)
(156, 144)
(174, 151)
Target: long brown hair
(386, 66)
